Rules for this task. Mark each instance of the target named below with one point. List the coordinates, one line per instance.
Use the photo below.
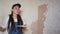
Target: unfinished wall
(38, 25)
(52, 22)
(30, 13)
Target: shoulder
(6, 18)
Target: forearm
(25, 27)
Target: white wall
(30, 13)
(29, 8)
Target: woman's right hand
(2, 29)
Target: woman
(14, 19)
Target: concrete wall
(52, 23)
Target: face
(16, 10)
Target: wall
(52, 22)
(30, 13)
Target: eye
(16, 8)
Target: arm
(24, 24)
(3, 28)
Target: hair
(11, 20)
(16, 5)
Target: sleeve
(24, 21)
(5, 22)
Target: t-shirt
(5, 23)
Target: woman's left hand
(25, 27)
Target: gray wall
(52, 23)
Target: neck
(14, 16)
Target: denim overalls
(14, 32)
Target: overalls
(14, 32)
